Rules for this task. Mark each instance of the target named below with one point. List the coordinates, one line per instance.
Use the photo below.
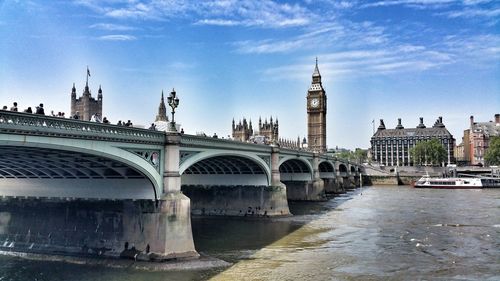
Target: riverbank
(202, 263)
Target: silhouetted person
(182, 130)
(76, 115)
(119, 123)
(215, 136)
(152, 127)
(105, 120)
(128, 124)
(28, 110)
(39, 110)
(4, 107)
(14, 107)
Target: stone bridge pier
(302, 178)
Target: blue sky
(250, 58)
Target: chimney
(399, 126)
(497, 118)
(382, 125)
(471, 121)
(421, 125)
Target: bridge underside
(224, 171)
(232, 186)
(42, 172)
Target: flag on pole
(88, 71)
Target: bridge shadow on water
(233, 239)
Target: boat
(457, 183)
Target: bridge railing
(210, 142)
(33, 124)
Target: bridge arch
(342, 168)
(61, 167)
(295, 169)
(326, 169)
(223, 168)
(353, 169)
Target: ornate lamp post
(173, 102)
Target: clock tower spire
(316, 113)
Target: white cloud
(262, 13)
(472, 12)
(112, 27)
(117, 37)
(219, 22)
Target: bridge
(71, 186)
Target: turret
(316, 77)
(162, 110)
(73, 92)
(99, 93)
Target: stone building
(391, 147)
(316, 113)
(86, 105)
(479, 138)
(267, 131)
(161, 120)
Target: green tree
(360, 155)
(428, 152)
(492, 154)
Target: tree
(492, 154)
(360, 155)
(428, 152)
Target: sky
(379, 59)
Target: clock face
(314, 102)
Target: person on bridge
(28, 110)
(14, 107)
(4, 107)
(39, 109)
(119, 123)
(105, 120)
(128, 124)
(95, 118)
(76, 115)
(152, 127)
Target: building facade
(479, 138)
(316, 113)
(86, 106)
(391, 147)
(267, 131)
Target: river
(377, 233)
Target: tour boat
(457, 183)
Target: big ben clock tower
(316, 113)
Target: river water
(377, 233)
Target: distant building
(479, 138)
(391, 147)
(86, 106)
(161, 120)
(267, 131)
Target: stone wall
(304, 191)
(141, 229)
(240, 200)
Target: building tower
(86, 106)
(316, 113)
(162, 110)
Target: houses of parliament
(268, 132)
